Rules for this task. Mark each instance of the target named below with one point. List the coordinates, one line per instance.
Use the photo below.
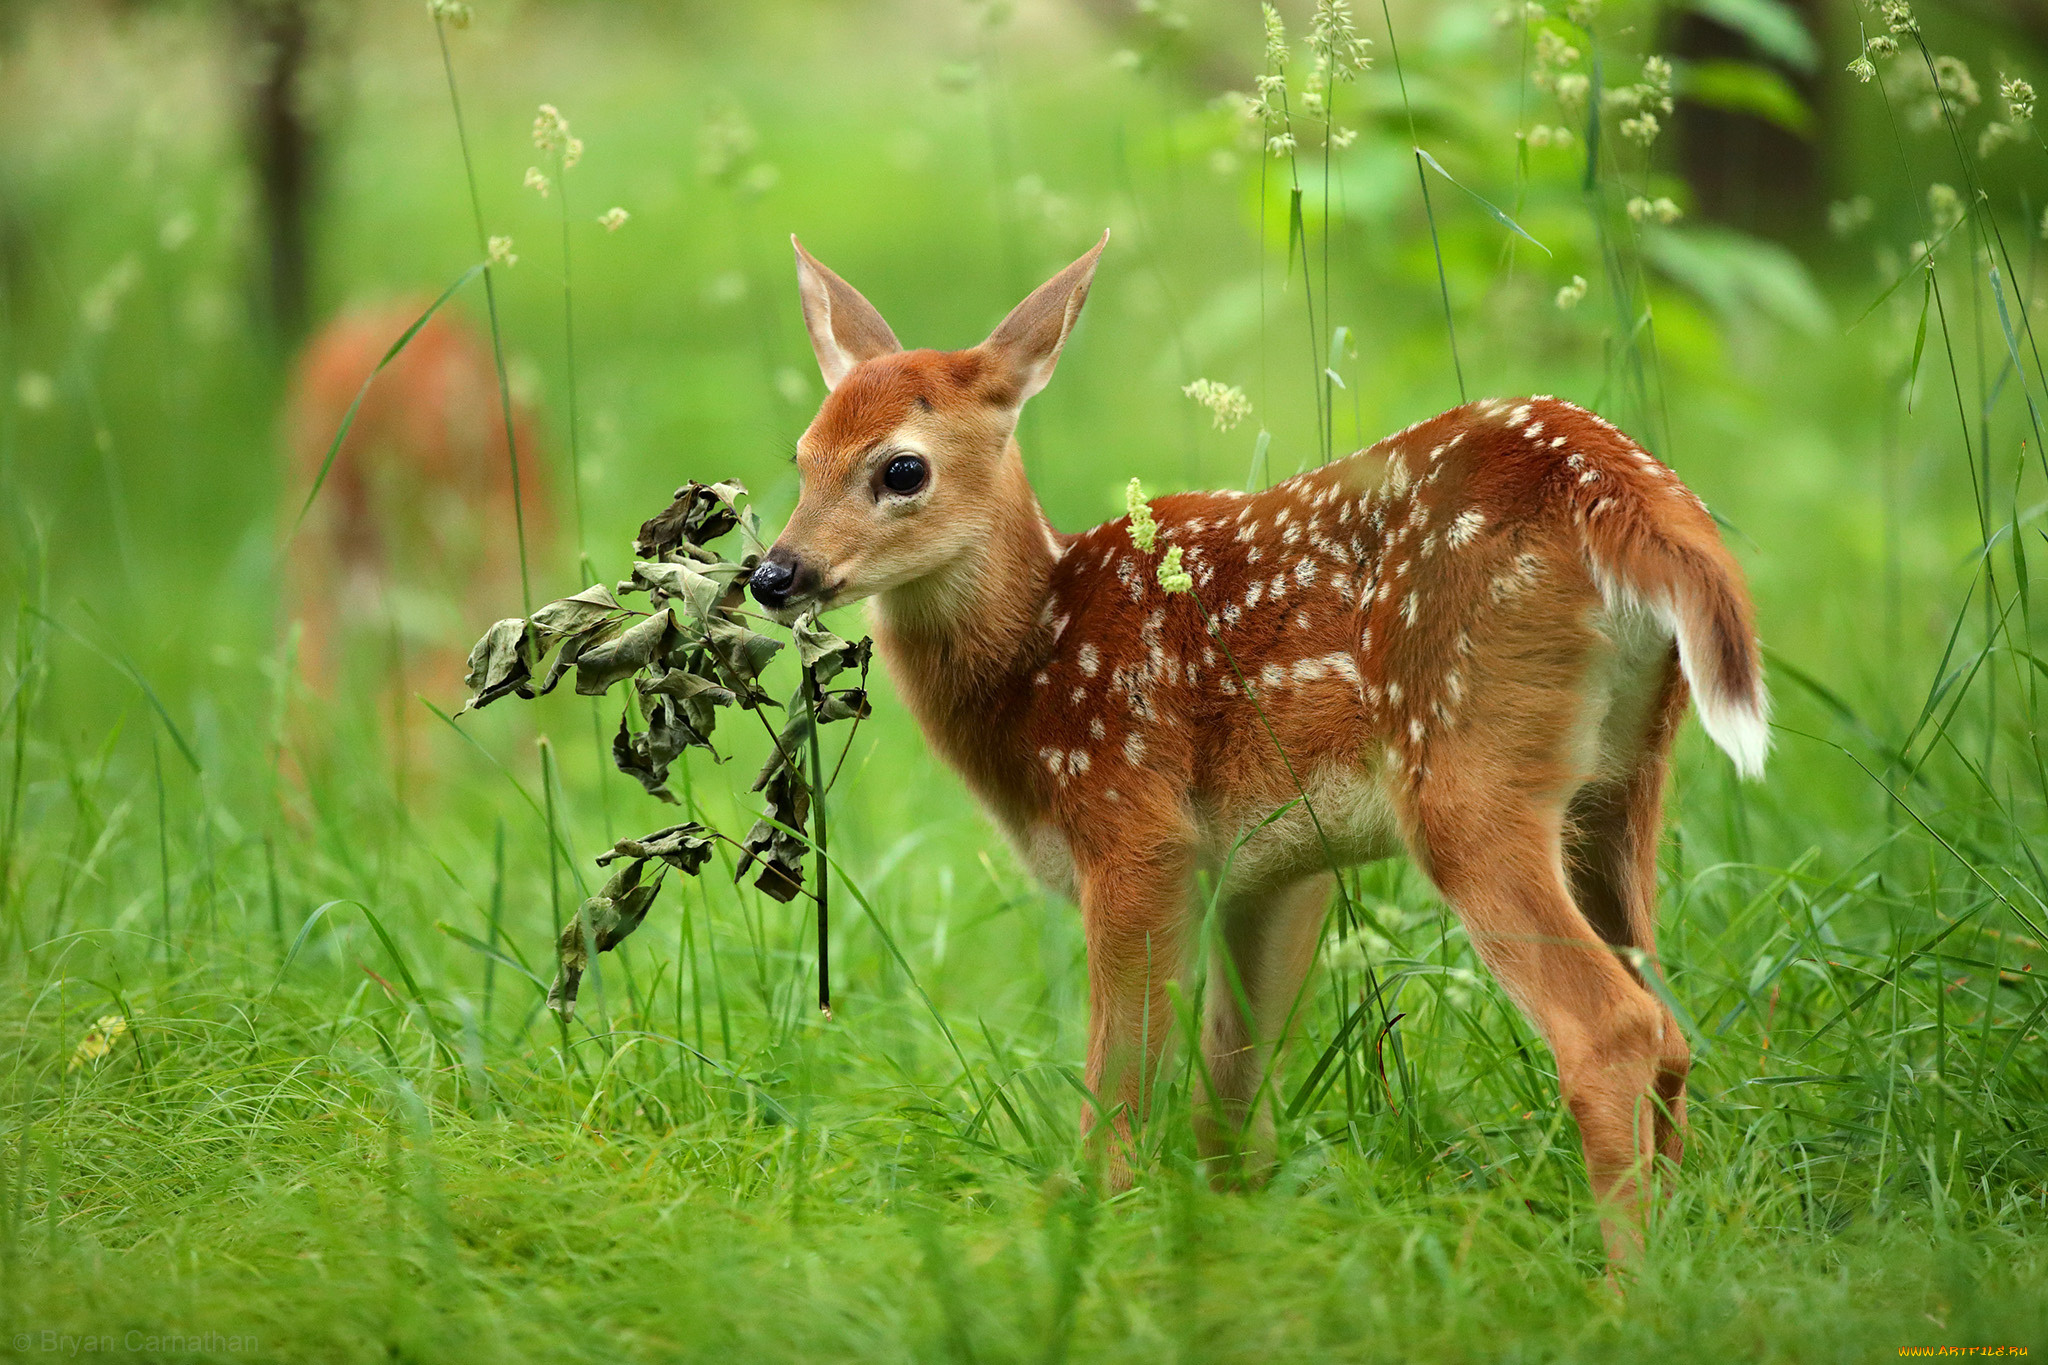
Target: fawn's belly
(1344, 815)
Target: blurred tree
(1745, 129)
(284, 148)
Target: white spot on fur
(1464, 528)
(1090, 660)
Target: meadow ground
(337, 1124)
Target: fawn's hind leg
(1494, 848)
(1613, 829)
(1255, 978)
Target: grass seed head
(1570, 296)
(1226, 403)
(501, 253)
(550, 129)
(1276, 38)
(2018, 94)
(1172, 577)
(1144, 530)
(613, 218)
(1642, 128)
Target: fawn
(409, 537)
(1474, 640)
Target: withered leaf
(696, 697)
(700, 591)
(825, 654)
(645, 755)
(574, 615)
(572, 649)
(683, 686)
(849, 704)
(501, 663)
(602, 923)
(741, 653)
(700, 512)
(686, 847)
(600, 666)
(780, 851)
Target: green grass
(341, 1130)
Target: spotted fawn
(1474, 640)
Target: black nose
(772, 580)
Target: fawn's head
(908, 465)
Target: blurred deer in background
(412, 536)
(1474, 640)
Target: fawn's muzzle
(774, 578)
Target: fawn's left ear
(845, 328)
(1029, 340)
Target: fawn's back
(1482, 568)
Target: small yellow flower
(536, 182)
(1569, 296)
(98, 1041)
(501, 252)
(613, 218)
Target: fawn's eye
(905, 475)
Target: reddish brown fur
(1462, 640)
(420, 495)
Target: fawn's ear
(845, 328)
(1028, 341)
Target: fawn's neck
(961, 643)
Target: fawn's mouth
(810, 604)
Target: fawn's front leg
(1134, 912)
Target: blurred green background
(347, 1157)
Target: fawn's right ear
(845, 328)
